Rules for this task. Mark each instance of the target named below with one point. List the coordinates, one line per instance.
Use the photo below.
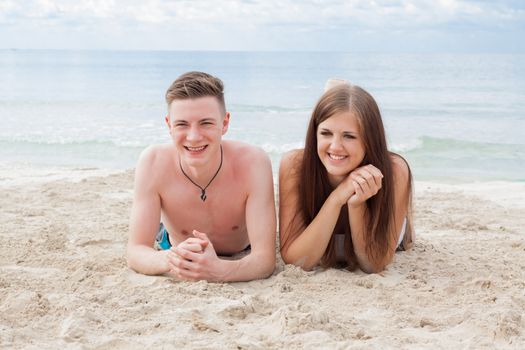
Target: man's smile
(195, 149)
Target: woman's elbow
(300, 262)
(370, 269)
(373, 266)
(287, 259)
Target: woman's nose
(336, 143)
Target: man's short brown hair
(194, 85)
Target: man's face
(196, 127)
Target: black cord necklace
(203, 190)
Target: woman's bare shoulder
(291, 160)
(400, 168)
(289, 170)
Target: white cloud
(235, 23)
(258, 11)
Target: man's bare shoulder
(251, 165)
(156, 155)
(154, 162)
(245, 154)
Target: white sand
(64, 281)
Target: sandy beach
(64, 282)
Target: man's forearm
(251, 267)
(147, 260)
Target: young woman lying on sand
(344, 199)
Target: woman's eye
(350, 137)
(325, 133)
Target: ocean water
(455, 117)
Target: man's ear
(167, 119)
(225, 123)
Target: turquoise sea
(455, 117)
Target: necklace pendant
(203, 190)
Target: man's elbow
(268, 271)
(131, 259)
(267, 267)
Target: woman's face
(340, 145)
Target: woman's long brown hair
(314, 186)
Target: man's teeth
(336, 157)
(196, 149)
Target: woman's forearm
(358, 226)
(309, 247)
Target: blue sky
(329, 25)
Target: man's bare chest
(222, 214)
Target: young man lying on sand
(214, 197)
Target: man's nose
(193, 134)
